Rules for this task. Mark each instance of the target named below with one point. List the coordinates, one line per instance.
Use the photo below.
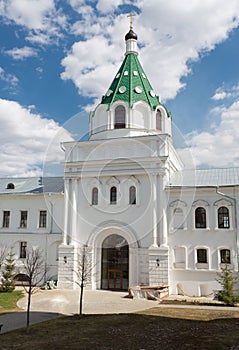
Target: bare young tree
(34, 269)
(83, 272)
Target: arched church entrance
(115, 263)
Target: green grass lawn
(157, 328)
(8, 301)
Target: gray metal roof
(32, 185)
(206, 178)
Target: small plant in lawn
(8, 273)
(228, 282)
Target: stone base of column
(158, 266)
(66, 266)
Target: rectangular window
(202, 256)
(23, 250)
(6, 218)
(225, 256)
(42, 218)
(23, 220)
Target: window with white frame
(42, 218)
(94, 197)
(200, 217)
(6, 218)
(225, 256)
(159, 120)
(23, 219)
(223, 217)
(132, 195)
(23, 250)
(202, 256)
(120, 115)
(113, 195)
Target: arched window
(132, 195)
(225, 256)
(94, 198)
(120, 117)
(113, 195)
(223, 217)
(202, 256)
(158, 120)
(200, 218)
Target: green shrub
(226, 279)
(8, 273)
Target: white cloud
(218, 147)
(21, 53)
(223, 93)
(8, 78)
(41, 18)
(172, 33)
(25, 137)
(220, 95)
(89, 75)
(106, 6)
(30, 13)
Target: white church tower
(115, 198)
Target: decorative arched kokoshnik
(115, 263)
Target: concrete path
(48, 304)
(66, 302)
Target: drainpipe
(235, 211)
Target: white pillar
(66, 212)
(74, 211)
(154, 210)
(164, 223)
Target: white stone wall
(186, 275)
(47, 239)
(140, 120)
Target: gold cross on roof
(131, 21)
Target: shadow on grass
(14, 320)
(126, 331)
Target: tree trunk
(28, 308)
(81, 297)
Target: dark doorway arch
(115, 263)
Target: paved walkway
(65, 301)
(48, 304)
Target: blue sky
(59, 57)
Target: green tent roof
(131, 85)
